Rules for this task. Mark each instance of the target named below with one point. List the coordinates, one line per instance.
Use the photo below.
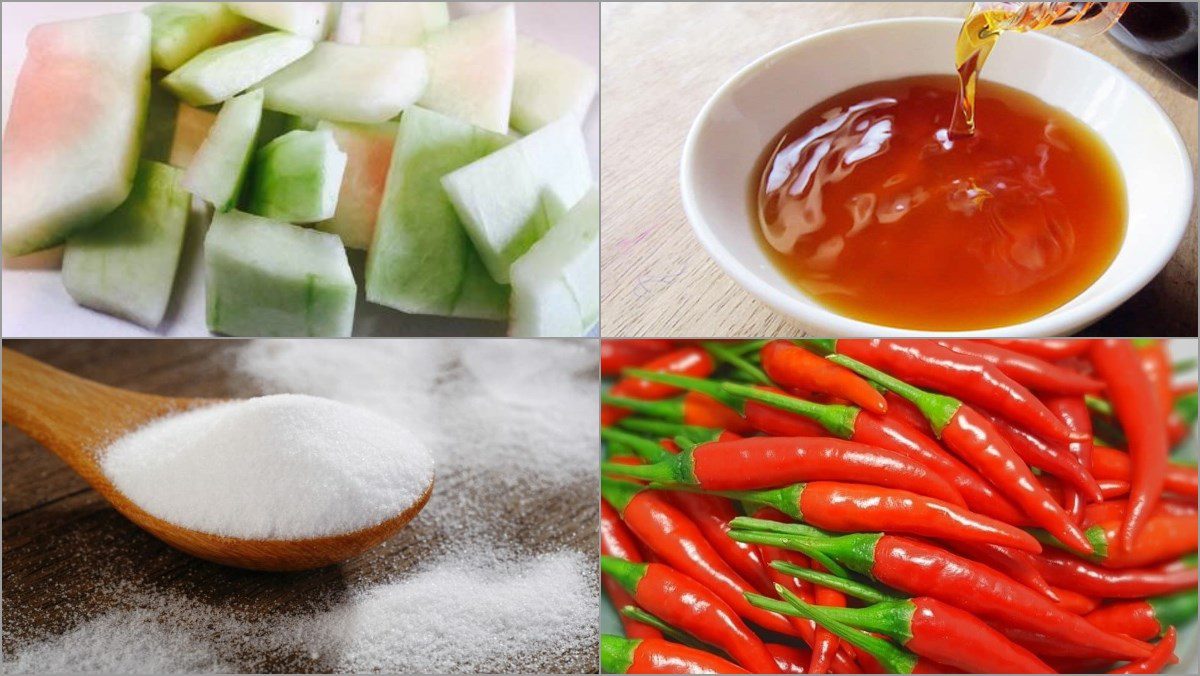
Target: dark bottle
(1163, 31)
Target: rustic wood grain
(67, 552)
(661, 62)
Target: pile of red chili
(897, 506)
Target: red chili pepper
(902, 409)
(1034, 373)
(1114, 510)
(1146, 619)
(824, 644)
(774, 422)
(852, 508)
(1012, 562)
(789, 659)
(1137, 409)
(1077, 603)
(921, 625)
(1056, 461)
(926, 570)
(1165, 537)
(679, 543)
(1108, 463)
(694, 408)
(768, 462)
(690, 361)
(712, 515)
(924, 363)
(937, 631)
(656, 656)
(892, 435)
(1067, 571)
(1156, 364)
(688, 605)
(617, 355)
(616, 540)
(1164, 654)
(970, 435)
(1049, 648)
(793, 366)
(1074, 414)
(1051, 349)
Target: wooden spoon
(78, 418)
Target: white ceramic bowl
(745, 114)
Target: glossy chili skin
(1012, 562)
(1074, 414)
(616, 540)
(789, 659)
(855, 508)
(924, 363)
(1156, 364)
(793, 366)
(658, 656)
(1108, 463)
(927, 570)
(978, 442)
(1146, 619)
(1051, 349)
(1036, 374)
(618, 355)
(941, 631)
(688, 605)
(677, 541)
(1164, 654)
(895, 434)
(1057, 461)
(1070, 572)
(766, 462)
(712, 515)
(1164, 537)
(1137, 409)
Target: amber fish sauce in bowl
(870, 205)
(1074, 192)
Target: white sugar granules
(495, 586)
(271, 468)
(455, 615)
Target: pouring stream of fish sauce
(871, 206)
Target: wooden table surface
(65, 550)
(661, 62)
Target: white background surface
(35, 304)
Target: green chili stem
(635, 613)
(666, 409)
(937, 408)
(710, 387)
(667, 430)
(748, 347)
(794, 543)
(736, 361)
(644, 448)
(849, 587)
(895, 660)
(837, 419)
(1094, 534)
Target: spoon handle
(72, 416)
